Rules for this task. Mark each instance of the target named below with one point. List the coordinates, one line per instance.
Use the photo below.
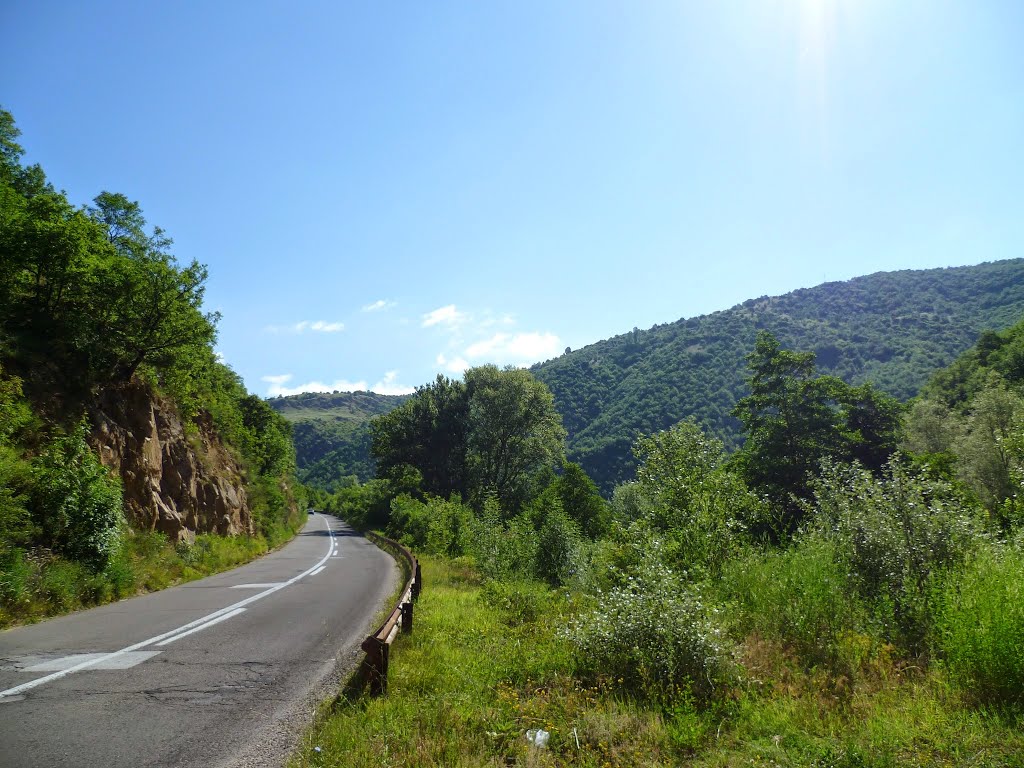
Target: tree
(691, 494)
(794, 419)
(985, 460)
(788, 417)
(872, 425)
(514, 434)
(153, 314)
(427, 432)
(125, 227)
(495, 433)
(581, 501)
(76, 502)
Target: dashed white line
(255, 586)
(201, 627)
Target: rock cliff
(175, 481)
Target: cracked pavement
(198, 681)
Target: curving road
(219, 672)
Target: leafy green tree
(985, 454)
(515, 434)
(789, 419)
(497, 432)
(692, 495)
(428, 432)
(794, 418)
(872, 425)
(559, 546)
(270, 437)
(582, 502)
(152, 313)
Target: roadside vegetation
(843, 590)
(92, 304)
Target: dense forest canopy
(893, 329)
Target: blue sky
(386, 191)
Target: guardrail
(378, 645)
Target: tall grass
(981, 626)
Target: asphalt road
(220, 672)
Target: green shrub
(559, 548)
(654, 636)
(410, 520)
(450, 527)
(520, 602)
(503, 550)
(981, 627)
(15, 578)
(896, 535)
(76, 501)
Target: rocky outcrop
(176, 481)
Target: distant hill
(893, 328)
(332, 432)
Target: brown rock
(177, 480)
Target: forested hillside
(120, 432)
(332, 433)
(891, 328)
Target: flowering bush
(654, 634)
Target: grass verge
(486, 664)
(38, 584)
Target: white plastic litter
(538, 737)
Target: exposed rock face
(176, 483)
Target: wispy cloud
(317, 326)
(447, 315)
(389, 385)
(515, 347)
(456, 365)
(379, 305)
(386, 386)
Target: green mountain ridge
(892, 328)
(331, 431)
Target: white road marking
(314, 573)
(125, 661)
(255, 586)
(201, 627)
(233, 609)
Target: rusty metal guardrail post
(378, 645)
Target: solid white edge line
(314, 573)
(240, 604)
(201, 627)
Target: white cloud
(515, 348)
(387, 386)
(324, 327)
(457, 365)
(379, 305)
(318, 326)
(447, 315)
(277, 386)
